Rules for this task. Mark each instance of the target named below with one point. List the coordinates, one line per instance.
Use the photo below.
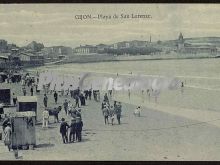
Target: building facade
(188, 48)
(87, 49)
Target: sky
(56, 24)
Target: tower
(180, 42)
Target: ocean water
(201, 79)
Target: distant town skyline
(55, 24)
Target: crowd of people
(72, 106)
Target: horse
(54, 112)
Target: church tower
(180, 44)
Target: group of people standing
(75, 130)
(111, 111)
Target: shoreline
(71, 61)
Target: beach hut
(23, 130)
(5, 96)
(3, 77)
(27, 103)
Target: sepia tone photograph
(110, 82)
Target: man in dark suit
(79, 125)
(63, 130)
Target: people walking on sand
(79, 125)
(71, 90)
(24, 90)
(45, 100)
(106, 98)
(118, 112)
(8, 135)
(72, 134)
(62, 89)
(64, 130)
(32, 90)
(90, 93)
(55, 97)
(82, 99)
(45, 119)
(112, 114)
(105, 114)
(77, 101)
(148, 94)
(86, 92)
(14, 98)
(65, 105)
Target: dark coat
(64, 127)
(73, 127)
(79, 126)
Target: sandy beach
(156, 135)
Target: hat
(8, 123)
(63, 119)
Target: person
(45, 100)
(55, 97)
(118, 112)
(70, 108)
(5, 122)
(90, 93)
(24, 90)
(106, 98)
(71, 90)
(1, 110)
(86, 92)
(77, 91)
(79, 125)
(148, 94)
(65, 105)
(137, 111)
(72, 130)
(45, 119)
(14, 98)
(32, 90)
(110, 93)
(63, 130)
(105, 114)
(77, 101)
(62, 89)
(103, 105)
(8, 135)
(82, 99)
(112, 114)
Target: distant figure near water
(45, 100)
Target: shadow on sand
(45, 145)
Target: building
(187, 48)
(87, 49)
(29, 59)
(130, 44)
(102, 47)
(56, 51)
